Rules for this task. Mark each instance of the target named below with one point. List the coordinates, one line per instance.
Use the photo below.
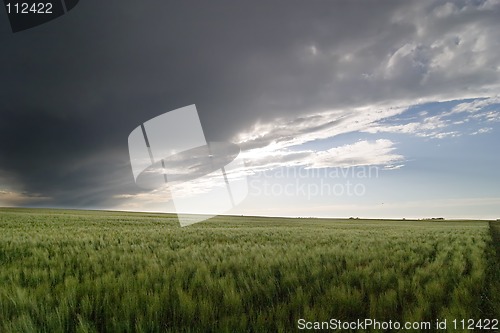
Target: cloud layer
(270, 75)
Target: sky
(384, 109)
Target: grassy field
(77, 271)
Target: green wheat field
(94, 271)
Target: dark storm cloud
(72, 90)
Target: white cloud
(492, 116)
(287, 132)
(482, 131)
(476, 105)
(278, 143)
(393, 167)
(361, 153)
(438, 126)
(430, 126)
